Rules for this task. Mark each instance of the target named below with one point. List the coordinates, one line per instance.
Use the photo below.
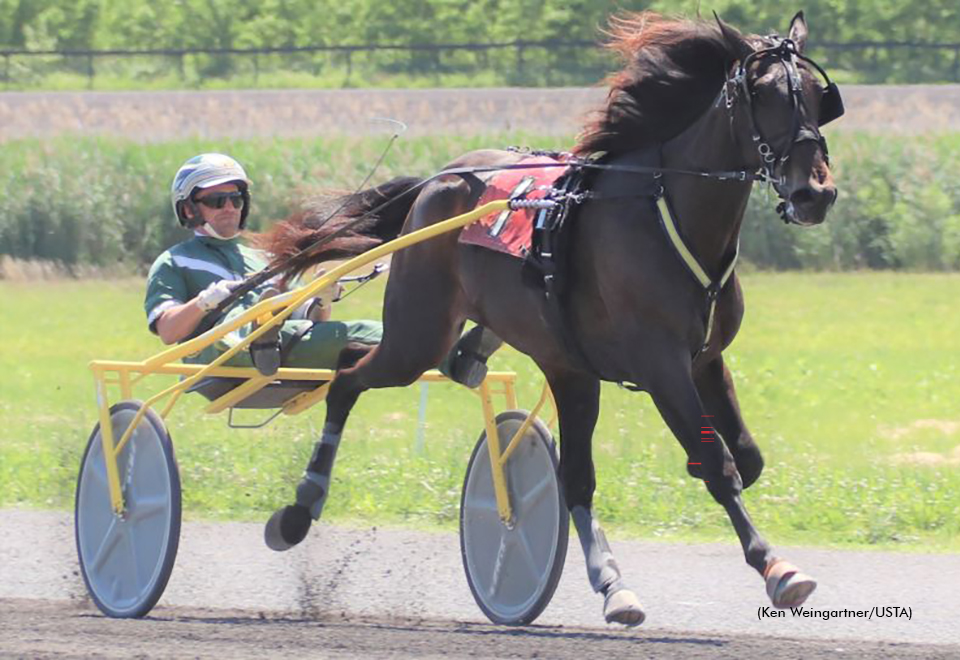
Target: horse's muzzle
(809, 205)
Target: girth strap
(712, 287)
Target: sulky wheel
(126, 559)
(514, 570)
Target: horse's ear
(798, 31)
(738, 45)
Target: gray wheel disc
(514, 572)
(126, 560)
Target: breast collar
(711, 286)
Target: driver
(211, 195)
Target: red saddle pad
(508, 231)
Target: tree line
(178, 24)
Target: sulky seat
(273, 395)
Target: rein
(266, 274)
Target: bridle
(738, 86)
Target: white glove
(216, 293)
(318, 308)
(330, 295)
(311, 309)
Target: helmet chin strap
(208, 228)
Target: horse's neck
(709, 212)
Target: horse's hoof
(622, 606)
(287, 527)
(786, 585)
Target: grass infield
(849, 382)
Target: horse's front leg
(715, 386)
(678, 401)
(578, 406)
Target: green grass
(838, 376)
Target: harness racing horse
(713, 111)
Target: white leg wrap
(602, 568)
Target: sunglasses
(219, 200)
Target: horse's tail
(385, 207)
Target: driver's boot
(265, 350)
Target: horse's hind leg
(578, 405)
(676, 397)
(290, 524)
(423, 312)
(715, 386)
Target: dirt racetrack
(352, 593)
(159, 116)
(38, 629)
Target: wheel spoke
(499, 566)
(146, 507)
(98, 472)
(115, 589)
(107, 546)
(527, 553)
(482, 504)
(532, 496)
(128, 534)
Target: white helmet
(206, 171)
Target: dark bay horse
(700, 97)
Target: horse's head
(778, 99)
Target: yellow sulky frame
(271, 312)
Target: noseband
(831, 105)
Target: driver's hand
(216, 293)
(329, 295)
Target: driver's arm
(176, 323)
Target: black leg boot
(467, 361)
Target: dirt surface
(373, 592)
(159, 116)
(38, 629)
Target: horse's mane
(675, 68)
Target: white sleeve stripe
(199, 264)
(156, 311)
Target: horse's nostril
(802, 196)
(810, 195)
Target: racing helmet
(206, 171)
